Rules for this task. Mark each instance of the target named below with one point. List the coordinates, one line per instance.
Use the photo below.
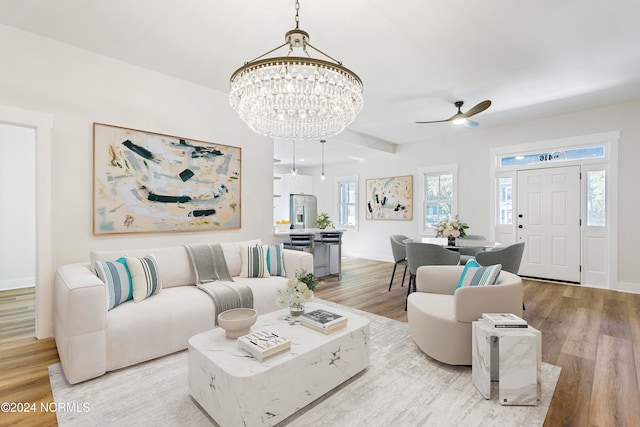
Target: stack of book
(504, 320)
(263, 344)
(323, 321)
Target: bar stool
(328, 239)
(301, 241)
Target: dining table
(461, 243)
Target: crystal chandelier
(296, 96)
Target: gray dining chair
(510, 257)
(399, 250)
(419, 254)
(467, 254)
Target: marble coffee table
(236, 389)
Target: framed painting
(390, 198)
(147, 182)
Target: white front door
(548, 221)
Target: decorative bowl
(283, 228)
(237, 321)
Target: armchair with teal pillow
(440, 314)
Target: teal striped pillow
(118, 280)
(254, 261)
(479, 276)
(145, 278)
(275, 262)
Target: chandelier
(296, 96)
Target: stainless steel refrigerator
(303, 209)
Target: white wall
(78, 88)
(18, 207)
(470, 149)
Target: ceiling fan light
(460, 121)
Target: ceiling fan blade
(434, 121)
(478, 108)
(455, 116)
(470, 124)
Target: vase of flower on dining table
(451, 228)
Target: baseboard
(28, 282)
(630, 287)
(366, 256)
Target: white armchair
(440, 315)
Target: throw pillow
(479, 276)
(116, 276)
(470, 264)
(275, 262)
(145, 278)
(254, 261)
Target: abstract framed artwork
(148, 182)
(389, 198)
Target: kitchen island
(326, 248)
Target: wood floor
(593, 334)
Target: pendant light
(293, 169)
(322, 142)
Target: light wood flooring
(593, 334)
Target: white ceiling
(531, 58)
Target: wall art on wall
(390, 198)
(148, 182)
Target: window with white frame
(438, 191)
(347, 201)
(596, 198)
(505, 200)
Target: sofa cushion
(115, 274)
(145, 278)
(275, 261)
(254, 261)
(479, 276)
(157, 326)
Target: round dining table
(461, 243)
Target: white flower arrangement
(298, 289)
(451, 227)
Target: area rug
(401, 387)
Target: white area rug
(401, 387)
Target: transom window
(553, 156)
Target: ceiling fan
(461, 118)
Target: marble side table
(513, 357)
(236, 389)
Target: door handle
(520, 226)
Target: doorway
(42, 123)
(18, 215)
(548, 221)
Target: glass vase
(296, 308)
(451, 241)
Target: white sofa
(92, 340)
